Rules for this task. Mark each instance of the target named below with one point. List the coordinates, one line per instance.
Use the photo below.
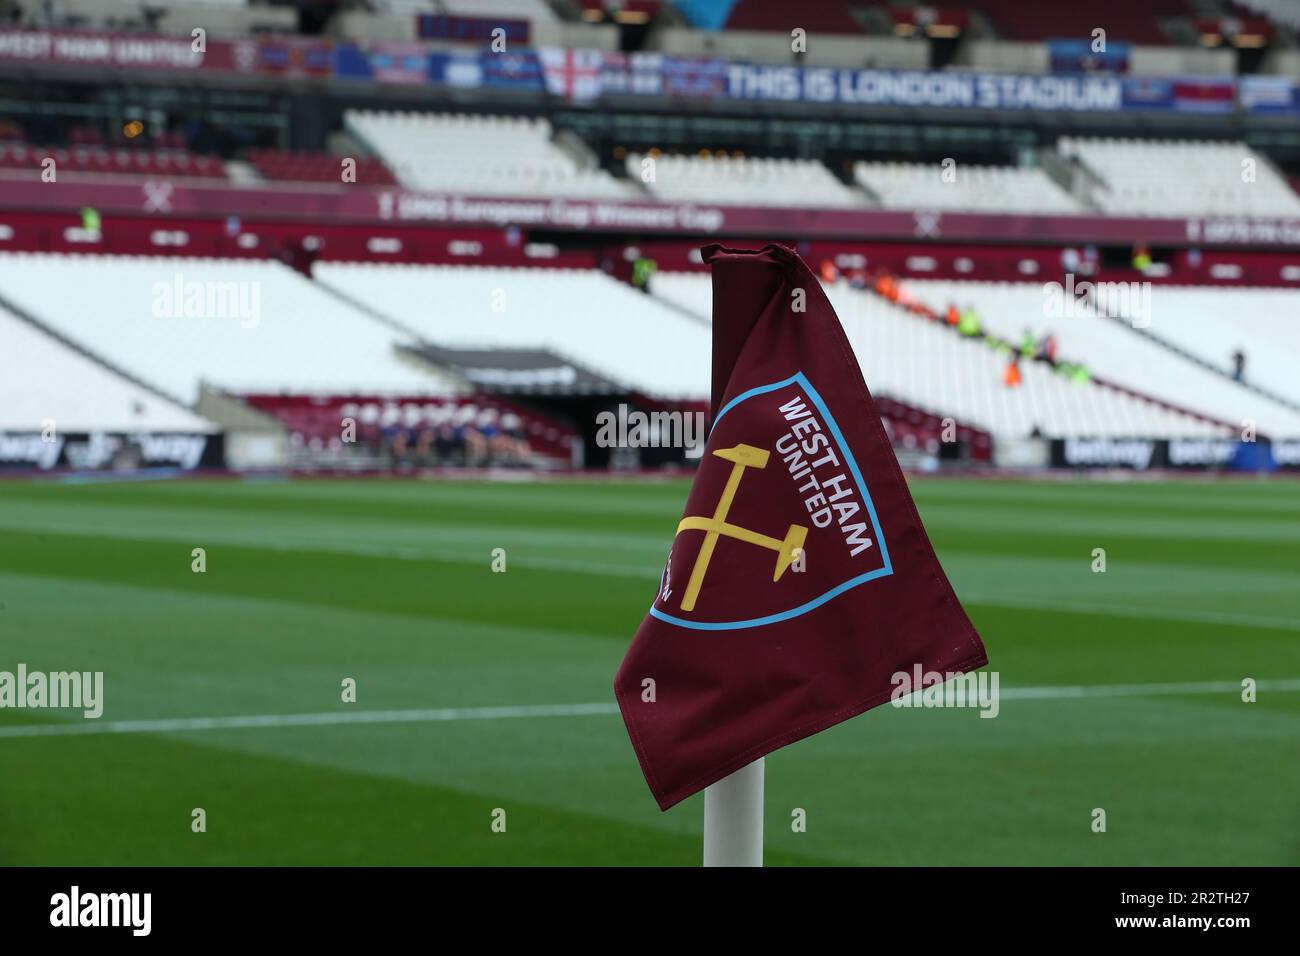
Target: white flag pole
(733, 818)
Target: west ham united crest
(778, 491)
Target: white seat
(744, 181)
(968, 188)
(47, 381)
(928, 366)
(1181, 178)
(479, 155)
(301, 339)
(1112, 351)
(584, 316)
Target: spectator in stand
(1141, 257)
(642, 271)
(887, 287)
(1011, 376)
(514, 440)
(469, 435)
(396, 438)
(1047, 349)
(488, 424)
(1070, 259)
(447, 445)
(1028, 344)
(418, 433)
(1091, 260)
(1238, 365)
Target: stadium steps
(1125, 394)
(1007, 309)
(913, 362)
(1188, 355)
(233, 414)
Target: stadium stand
(972, 188)
(928, 367)
(1122, 19)
(686, 292)
(227, 18)
(535, 11)
(744, 181)
(48, 380)
(1279, 11)
(486, 155)
(1181, 177)
(584, 316)
(1111, 349)
(830, 16)
(287, 166)
(926, 364)
(1211, 324)
(276, 332)
(456, 430)
(116, 162)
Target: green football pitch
(480, 691)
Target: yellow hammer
(787, 550)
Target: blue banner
(586, 75)
(1078, 56)
(1269, 94)
(920, 88)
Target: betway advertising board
(1178, 454)
(110, 451)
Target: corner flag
(800, 579)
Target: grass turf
(389, 582)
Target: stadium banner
(925, 88)
(800, 589)
(164, 199)
(1177, 454)
(1269, 95)
(1078, 56)
(397, 62)
(462, 29)
(75, 48)
(632, 74)
(117, 451)
(584, 76)
(517, 71)
(291, 57)
(574, 75)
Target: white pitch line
(1133, 610)
(182, 724)
(328, 718)
(1141, 690)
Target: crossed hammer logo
(787, 550)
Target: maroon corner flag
(800, 580)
